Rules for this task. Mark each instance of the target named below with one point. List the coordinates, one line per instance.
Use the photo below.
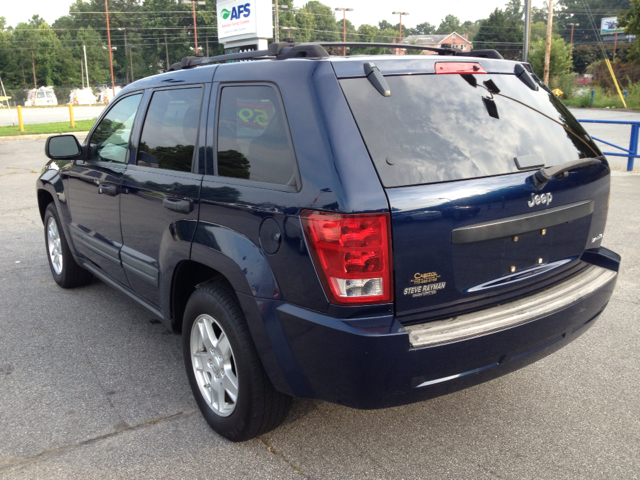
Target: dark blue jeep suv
(369, 231)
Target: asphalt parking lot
(93, 386)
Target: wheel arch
(187, 275)
(44, 199)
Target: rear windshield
(436, 128)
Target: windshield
(436, 128)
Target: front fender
(237, 258)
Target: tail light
(352, 254)
(444, 68)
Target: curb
(40, 136)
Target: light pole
(573, 25)
(401, 14)
(344, 25)
(195, 27)
(113, 84)
(277, 9)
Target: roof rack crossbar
(232, 56)
(402, 46)
(284, 50)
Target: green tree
(515, 11)
(352, 35)
(471, 28)
(306, 24)
(539, 14)
(51, 62)
(368, 33)
(501, 33)
(559, 61)
(630, 21)
(449, 24)
(326, 29)
(424, 28)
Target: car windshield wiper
(542, 176)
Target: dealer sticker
(420, 278)
(424, 290)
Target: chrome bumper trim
(507, 315)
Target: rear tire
(230, 386)
(66, 272)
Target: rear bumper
(371, 363)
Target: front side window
(253, 136)
(110, 140)
(170, 129)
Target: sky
(365, 11)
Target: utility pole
(131, 62)
(547, 50)
(527, 30)
(166, 50)
(195, 26)
(82, 73)
(573, 25)
(615, 42)
(113, 83)
(344, 26)
(33, 67)
(126, 75)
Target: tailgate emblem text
(543, 199)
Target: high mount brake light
(352, 255)
(450, 68)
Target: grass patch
(43, 128)
(602, 99)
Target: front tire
(66, 272)
(227, 379)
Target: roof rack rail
(284, 50)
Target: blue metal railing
(632, 153)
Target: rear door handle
(177, 205)
(108, 189)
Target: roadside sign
(608, 26)
(244, 22)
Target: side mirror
(147, 160)
(62, 147)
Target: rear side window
(253, 136)
(436, 128)
(170, 130)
